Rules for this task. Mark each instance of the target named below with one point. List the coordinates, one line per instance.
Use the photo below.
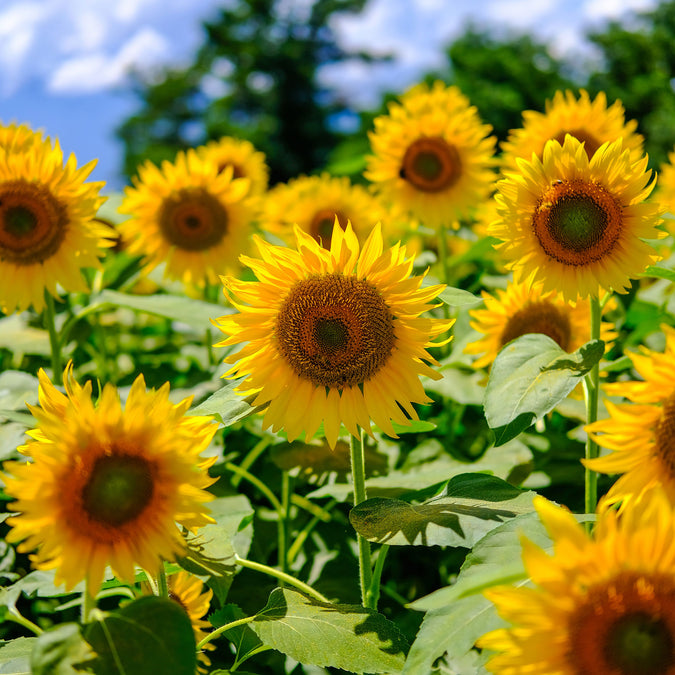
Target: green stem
(282, 576)
(162, 584)
(49, 318)
(222, 629)
(591, 392)
(283, 523)
(250, 459)
(13, 615)
(357, 453)
(377, 574)
(305, 532)
(443, 255)
(88, 603)
(258, 483)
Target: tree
(253, 78)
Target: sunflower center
(625, 627)
(591, 144)
(577, 222)
(335, 331)
(431, 164)
(118, 490)
(33, 223)
(665, 435)
(539, 317)
(321, 227)
(193, 219)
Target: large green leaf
(470, 506)
(61, 651)
(149, 635)
(529, 377)
(15, 655)
(458, 297)
(195, 313)
(226, 405)
(350, 637)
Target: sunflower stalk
(49, 319)
(284, 519)
(357, 455)
(162, 584)
(591, 393)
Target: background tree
(254, 78)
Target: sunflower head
(47, 228)
(665, 190)
(431, 155)
(577, 225)
(332, 335)
(108, 485)
(190, 216)
(603, 605)
(591, 122)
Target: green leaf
(20, 338)
(226, 405)
(244, 640)
(350, 637)
(415, 427)
(657, 272)
(458, 297)
(195, 313)
(61, 651)
(149, 635)
(529, 377)
(470, 506)
(15, 655)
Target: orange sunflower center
(664, 436)
(591, 144)
(321, 227)
(117, 489)
(33, 223)
(539, 317)
(335, 331)
(193, 219)
(625, 627)
(577, 222)
(431, 164)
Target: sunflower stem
(162, 584)
(591, 392)
(284, 524)
(222, 629)
(443, 255)
(88, 604)
(258, 483)
(49, 319)
(13, 615)
(282, 576)
(377, 574)
(357, 455)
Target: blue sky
(64, 64)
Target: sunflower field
(422, 422)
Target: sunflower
(241, 155)
(432, 156)
(665, 190)
(641, 434)
(314, 202)
(333, 336)
(188, 591)
(589, 121)
(188, 215)
(47, 227)
(107, 485)
(577, 225)
(603, 605)
(521, 309)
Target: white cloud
(521, 14)
(96, 71)
(614, 9)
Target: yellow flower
(432, 156)
(574, 224)
(314, 202)
(641, 434)
(520, 309)
(589, 121)
(190, 216)
(665, 189)
(107, 485)
(599, 606)
(47, 227)
(333, 336)
(241, 155)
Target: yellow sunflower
(314, 202)
(333, 336)
(599, 606)
(665, 190)
(108, 485)
(432, 155)
(641, 434)
(190, 216)
(188, 591)
(242, 156)
(47, 227)
(589, 121)
(521, 309)
(577, 225)
(18, 137)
